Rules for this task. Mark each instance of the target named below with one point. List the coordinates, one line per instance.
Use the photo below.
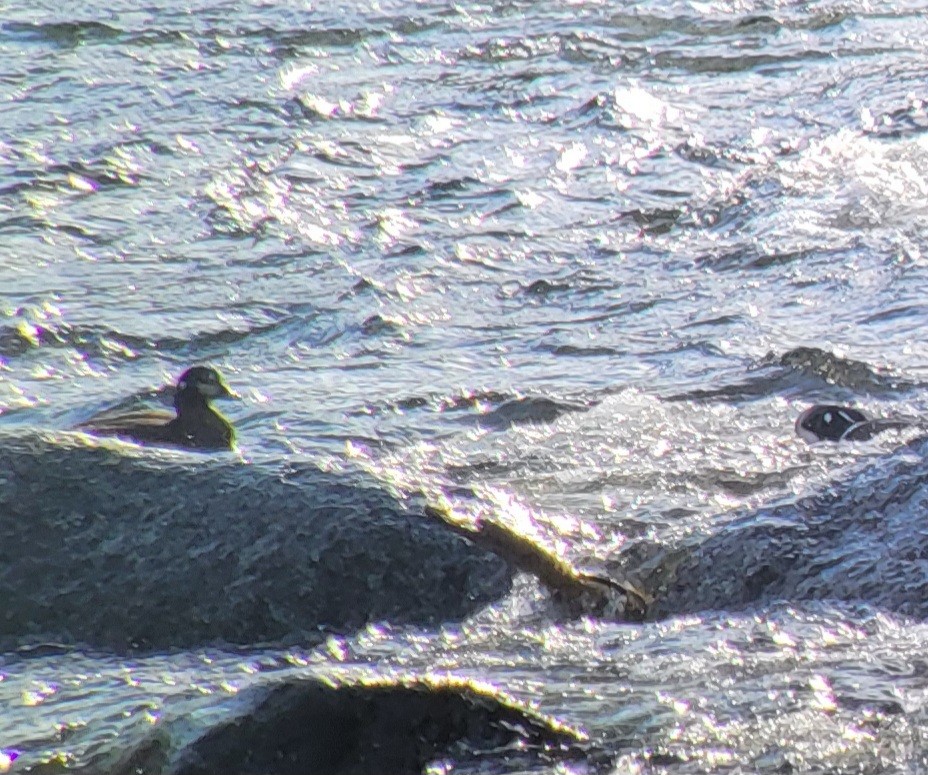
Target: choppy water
(576, 266)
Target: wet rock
(863, 539)
(304, 727)
(124, 548)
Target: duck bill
(220, 390)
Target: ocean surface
(573, 268)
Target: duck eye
(827, 418)
(182, 385)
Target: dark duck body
(826, 422)
(195, 424)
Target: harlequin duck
(196, 425)
(827, 422)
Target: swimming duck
(196, 425)
(827, 422)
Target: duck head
(828, 422)
(201, 382)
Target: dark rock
(126, 548)
(304, 727)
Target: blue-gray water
(573, 266)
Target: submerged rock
(107, 545)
